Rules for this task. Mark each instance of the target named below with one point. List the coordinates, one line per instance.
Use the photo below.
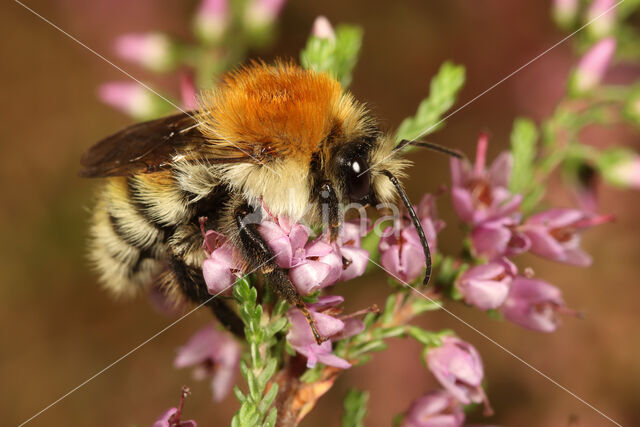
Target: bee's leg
(330, 199)
(192, 283)
(259, 255)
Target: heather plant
(499, 202)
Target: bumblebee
(269, 138)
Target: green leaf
(270, 421)
(268, 399)
(275, 327)
(392, 332)
(337, 57)
(443, 91)
(267, 373)
(388, 311)
(239, 394)
(427, 338)
(355, 408)
(421, 305)
(369, 347)
(524, 137)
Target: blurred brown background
(59, 328)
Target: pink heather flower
(487, 286)
(286, 239)
(533, 304)
(301, 338)
(262, 13)
(401, 252)
(211, 20)
(222, 267)
(171, 418)
(602, 17)
(312, 265)
(168, 419)
(435, 409)
(458, 367)
(322, 28)
(402, 255)
(565, 11)
(499, 237)
(349, 248)
(481, 194)
(188, 92)
(593, 65)
(214, 354)
(626, 172)
(426, 211)
(151, 50)
(128, 97)
(554, 234)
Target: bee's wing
(148, 147)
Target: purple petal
(490, 240)
(334, 261)
(577, 257)
(352, 326)
(556, 218)
(485, 294)
(359, 259)
(500, 171)
(217, 276)
(318, 248)
(542, 243)
(484, 272)
(463, 204)
(163, 421)
(308, 276)
(198, 349)
(222, 382)
(326, 301)
(333, 360)
(299, 236)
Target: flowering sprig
(334, 52)
(259, 363)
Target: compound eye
(358, 180)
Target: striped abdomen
(138, 222)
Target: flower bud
(436, 409)
(601, 16)
(564, 12)
(261, 14)
(593, 66)
(211, 20)
(626, 172)
(151, 50)
(458, 367)
(130, 98)
(322, 28)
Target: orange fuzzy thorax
(280, 110)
